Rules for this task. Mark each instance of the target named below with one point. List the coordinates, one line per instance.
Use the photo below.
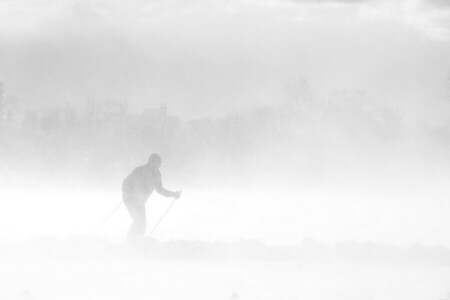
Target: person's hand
(177, 194)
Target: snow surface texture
(91, 268)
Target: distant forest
(102, 137)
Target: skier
(136, 189)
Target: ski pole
(165, 213)
(106, 219)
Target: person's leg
(137, 212)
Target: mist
(309, 138)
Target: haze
(323, 119)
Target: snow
(142, 279)
(92, 268)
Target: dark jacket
(141, 183)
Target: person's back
(141, 182)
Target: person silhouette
(137, 188)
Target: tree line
(102, 137)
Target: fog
(222, 57)
(309, 138)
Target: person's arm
(162, 191)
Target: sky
(209, 58)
